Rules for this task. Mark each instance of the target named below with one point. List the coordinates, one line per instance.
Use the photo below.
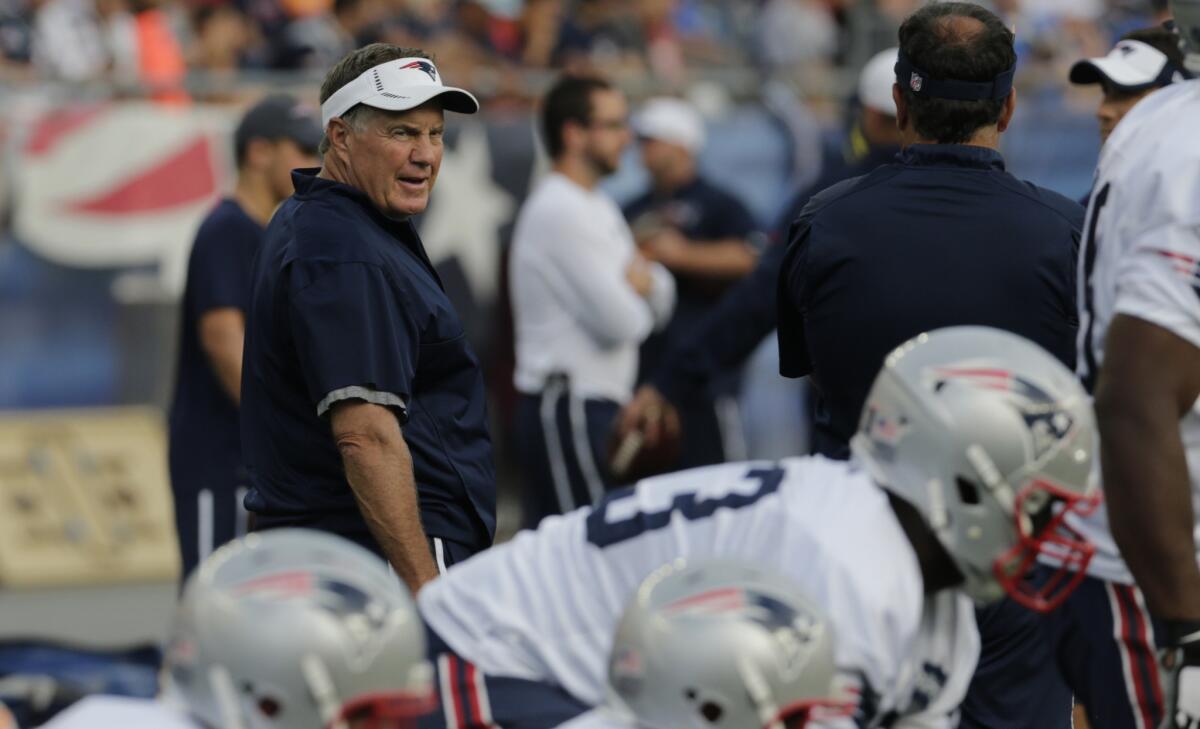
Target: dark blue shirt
(703, 213)
(734, 328)
(942, 237)
(346, 297)
(204, 445)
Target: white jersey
(574, 312)
(1141, 257)
(110, 712)
(545, 605)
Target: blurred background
(116, 121)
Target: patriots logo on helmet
(425, 66)
(1047, 420)
(791, 630)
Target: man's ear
(1010, 108)
(338, 133)
(901, 108)
(573, 135)
(257, 153)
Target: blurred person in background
(224, 40)
(76, 40)
(583, 298)
(275, 136)
(263, 636)
(320, 39)
(943, 236)
(726, 336)
(708, 240)
(363, 407)
(1142, 62)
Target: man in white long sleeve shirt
(583, 301)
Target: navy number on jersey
(1089, 266)
(603, 533)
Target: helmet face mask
(990, 439)
(386, 710)
(1043, 531)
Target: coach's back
(943, 236)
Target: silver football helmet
(298, 629)
(1187, 21)
(719, 645)
(991, 439)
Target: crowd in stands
(153, 45)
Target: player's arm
(1150, 379)
(719, 260)
(222, 332)
(380, 471)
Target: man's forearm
(720, 260)
(383, 484)
(1149, 500)
(227, 365)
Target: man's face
(396, 156)
(608, 131)
(1115, 105)
(660, 158)
(286, 156)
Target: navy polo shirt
(205, 450)
(702, 213)
(942, 237)
(345, 297)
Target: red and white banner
(121, 184)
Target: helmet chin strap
(324, 693)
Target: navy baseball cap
(280, 116)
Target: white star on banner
(466, 212)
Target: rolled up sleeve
(355, 338)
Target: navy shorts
(468, 699)
(208, 513)
(1016, 684)
(562, 445)
(1105, 643)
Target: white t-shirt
(121, 712)
(574, 312)
(1141, 257)
(545, 605)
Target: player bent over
(974, 445)
(287, 629)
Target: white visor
(1130, 65)
(398, 85)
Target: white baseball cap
(398, 85)
(875, 82)
(671, 120)
(1130, 66)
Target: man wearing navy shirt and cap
(708, 240)
(364, 412)
(942, 237)
(1142, 62)
(277, 135)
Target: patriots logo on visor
(916, 82)
(425, 66)
(1045, 417)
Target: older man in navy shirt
(942, 237)
(363, 406)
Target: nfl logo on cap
(916, 82)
